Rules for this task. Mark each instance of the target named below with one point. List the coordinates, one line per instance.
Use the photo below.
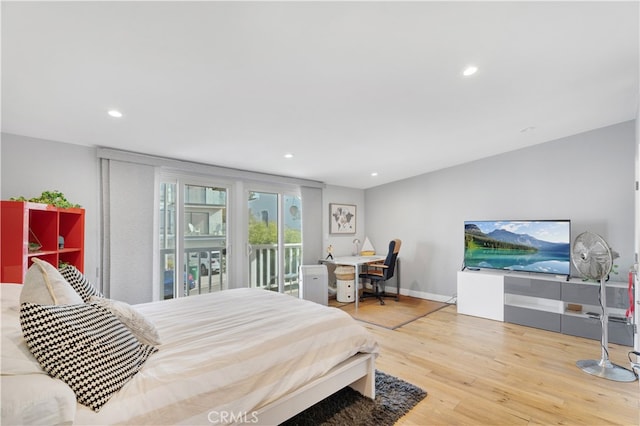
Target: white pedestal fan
(593, 258)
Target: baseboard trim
(420, 294)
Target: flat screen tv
(542, 246)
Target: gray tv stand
(548, 302)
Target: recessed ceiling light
(374, 174)
(114, 113)
(288, 155)
(470, 70)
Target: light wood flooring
(479, 371)
(394, 315)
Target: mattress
(225, 355)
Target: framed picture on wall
(342, 218)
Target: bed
(236, 356)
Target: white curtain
(128, 191)
(311, 224)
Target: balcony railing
(263, 267)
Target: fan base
(607, 370)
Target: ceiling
(348, 88)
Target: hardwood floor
(393, 314)
(479, 371)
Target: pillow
(16, 358)
(36, 399)
(139, 325)
(85, 346)
(44, 285)
(10, 295)
(79, 282)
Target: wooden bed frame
(358, 372)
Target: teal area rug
(394, 398)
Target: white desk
(357, 262)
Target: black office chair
(378, 273)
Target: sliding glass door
(196, 238)
(275, 240)
(193, 238)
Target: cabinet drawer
(621, 333)
(588, 294)
(591, 328)
(532, 287)
(581, 327)
(617, 297)
(532, 318)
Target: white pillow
(16, 357)
(10, 294)
(139, 325)
(37, 399)
(44, 285)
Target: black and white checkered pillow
(79, 282)
(85, 346)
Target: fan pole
(605, 368)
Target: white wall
(587, 178)
(343, 243)
(31, 166)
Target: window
(203, 240)
(275, 240)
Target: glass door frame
(281, 191)
(180, 180)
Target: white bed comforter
(230, 353)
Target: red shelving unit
(25, 222)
